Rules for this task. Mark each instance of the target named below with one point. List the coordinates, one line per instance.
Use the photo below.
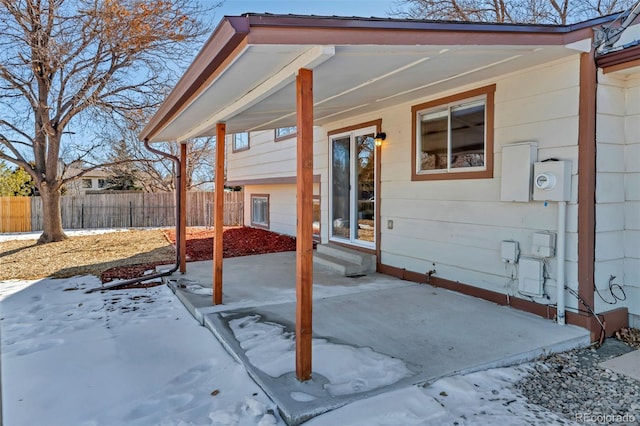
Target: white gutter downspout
(562, 220)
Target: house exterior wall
(77, 187)
(282, 205)
(632, 197)
(264, 158)
(456, 226)
(268, 161)
(618, 190)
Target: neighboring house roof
(95, 173)
(245, 73)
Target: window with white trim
(453, 137)
(260, 210)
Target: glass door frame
(369, 129)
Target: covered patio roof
(245, 74)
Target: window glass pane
(467, 135)
(341, 175)
(86, 183)
(454, 134)
(260, 211)
(240, 141)
(102, 183)
(285, 131)
(365, 183)
(434, 140)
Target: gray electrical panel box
(517, 164)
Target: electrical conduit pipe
(562, 220)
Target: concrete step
(340, 266)
(344, 260)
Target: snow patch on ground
(271, 349)
(132, 357)
(198, 289)
(482, 398)
(137, 357)
(12, 236)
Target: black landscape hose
(175, 267)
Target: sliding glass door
(353, 180)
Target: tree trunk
(51, 216)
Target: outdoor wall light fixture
(379, 138)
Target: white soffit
(251, 67)
(257, 91)
(287, 75)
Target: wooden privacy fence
(123, 210)
(15, 214)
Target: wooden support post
(182, 219)
(304, 231)
(587, 178)
(218, 217)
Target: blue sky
(366, 8)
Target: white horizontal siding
(459, 224)
(632, 186)
(537, 109)
(548, 78)
(611, 158)
(610, 129)
(618, 190)
(282, 206)
(632, 215)
(610, 187)
(611, 217)
(266, 158)
(554, 132)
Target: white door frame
(353, 198)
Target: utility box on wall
(517, 161)
(531, 277)
(544, 244)
(552, 181)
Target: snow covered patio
(390, 333)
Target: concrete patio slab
(435, 332)
(627, 364)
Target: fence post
(130, 214)
(82, 216)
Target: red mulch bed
(236, 242)
(243, 241)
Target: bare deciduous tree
(154, 173)
(77, 64)
(509, 11)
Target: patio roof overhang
(245, 74)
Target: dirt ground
(82, 255)
(128, 254)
